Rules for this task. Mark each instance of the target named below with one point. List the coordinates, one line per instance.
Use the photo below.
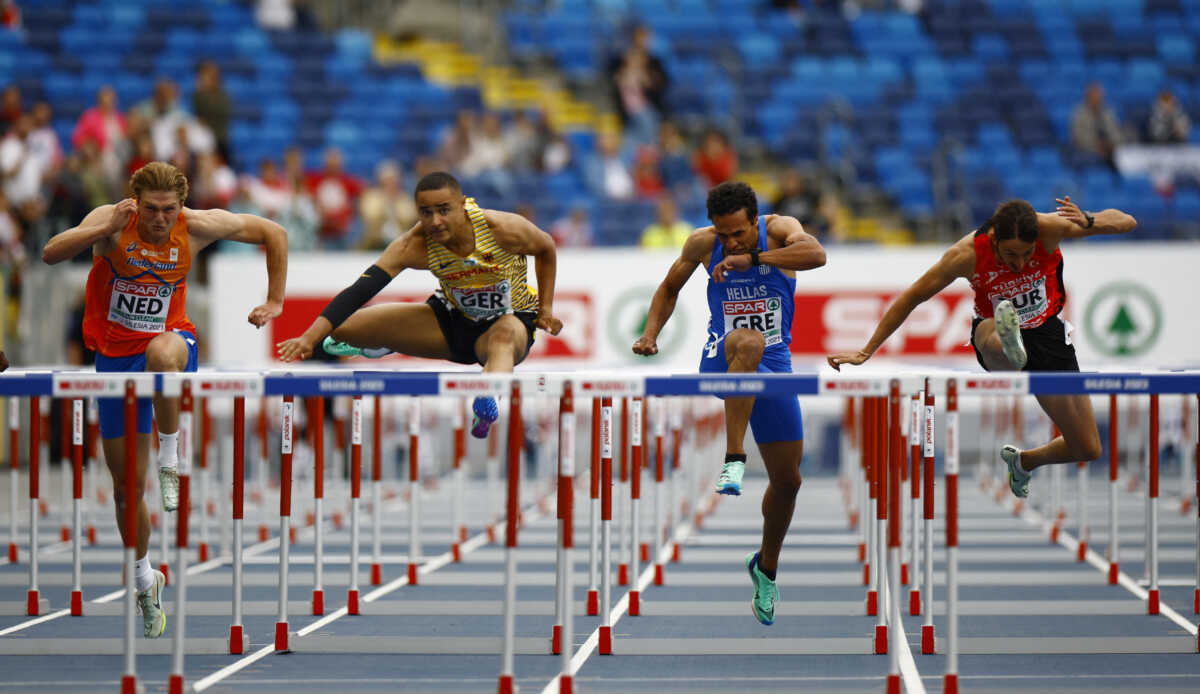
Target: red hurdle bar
(175, 681)
(950, 683)
(605, 636)
(1114, 460)
(287, 417)
(377, 493)
(930, 430)
(564, 630)
(76, 441)
(355, 490)
(1152, 602)
(593, 594)
(317, 423)
(35, 438)
(515, 441)
(129, 679)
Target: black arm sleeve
(353, 297)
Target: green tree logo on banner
(1123, 319)
(627, 319)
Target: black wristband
(754, 257)
(353, 297)
(1091, 220)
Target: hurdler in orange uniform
(135, 318)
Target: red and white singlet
(1036, 292)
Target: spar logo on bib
(140, 307)
(761, 315)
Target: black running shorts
(1046, 346)
(462, 332)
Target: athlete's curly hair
(729, 197)
(1015, 219)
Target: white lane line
(532, 514)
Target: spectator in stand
(10, 18)
(668, 230)
(10, 107)
(647, 178)
(300, 217)
(715, 161)
(269, 192)
(43, 140)
(12, 247)
(335, 193)
(575, 229)
(489, 155)
(639, 85)
(1168, 122)
(215, 183)
(166, 117)
(675, 160)
(457, 141)
(387, 210)
(213, 106)
(606, 172)
(142, 154)
(524, 141)
(1094, 128)
(275, 14)
(21, 172)
(104, 126)
(556, 155)
(797, 199)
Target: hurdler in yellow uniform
(483, 312)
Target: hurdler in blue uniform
(751, 262)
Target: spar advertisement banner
(1133, 306)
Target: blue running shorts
(774, 418)
(112, 410)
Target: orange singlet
(136, 291)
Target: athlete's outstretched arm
(98, 226)
(407, 251)
(222, 225)
(516, 234)
(957, 262)
(699, 244)
(1070, 222)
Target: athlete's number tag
(1029, 300)
(761, 315)
(483, 302)
(140, 307)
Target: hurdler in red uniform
(1016, 269)
(135, 318)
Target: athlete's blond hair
(159, 176)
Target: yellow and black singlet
(488, 283)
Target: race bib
(762, 315)
(140, 307)
(478, 303)
(1030, 301)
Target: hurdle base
(645, 552)
(893, 684)
(622, 574)
(412, 574)
(862, 551)
(675, 553)
(605, 646)
(658, 574)
(556, 640)
(376, 574)
(463, 535)
(635, 603)
(1114, 570)
(950, 684)
(202, 551)
(1081, 554)
(282, 638)
(176, 685)
(506, 685)
(32, 604)
(166, 573)
(130, 685)
(566, 684)
(928, 643)
(352, 602)
(76, 603)
(64, 534)
(239, 641)
(881, 639)
(91, 534)
(866, 574)
(904, 574)
(12, 553)
(872, 603)
(318, 603)
(1152, 602)
(914, 603)
(593, 603)
(455, 553)
(263, 533)
(1196, 602)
